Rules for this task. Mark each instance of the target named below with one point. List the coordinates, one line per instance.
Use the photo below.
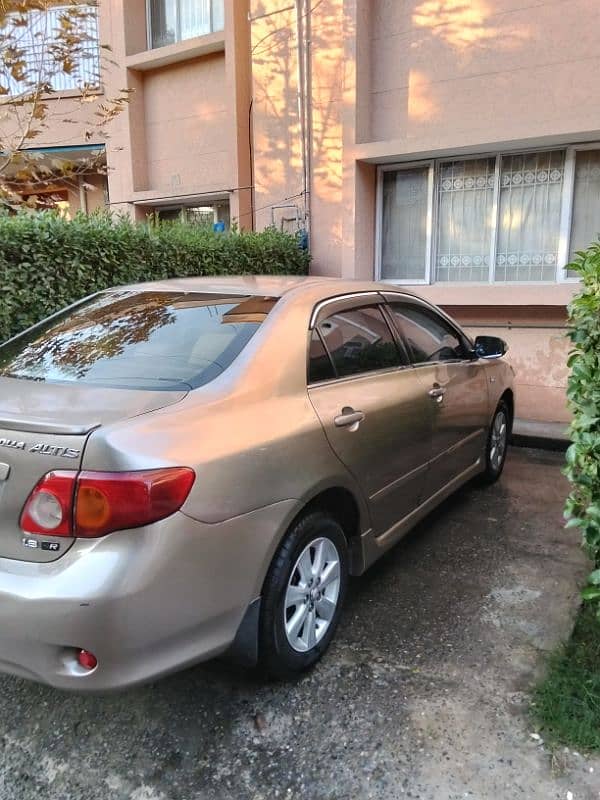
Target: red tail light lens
(49, 508)
(92, 504)
(113, 501)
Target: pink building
(449, 146)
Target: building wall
(276, 133)
(185, 147)
(449, 74)
(538, 353)
(184, 135)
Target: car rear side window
(428, 336)
(320, 367)
(141, 340)
(359, 340)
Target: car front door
(371, 404)
(456, 388)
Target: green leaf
(594, 578)
(591, 593)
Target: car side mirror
(490, 347)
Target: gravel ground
(424, 693)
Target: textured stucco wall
(539, 358)
(446, 72)
(186, 119)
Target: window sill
(178, 52)
(485, 294)
(59, 94)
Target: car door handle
(437, 393)
(349, 417)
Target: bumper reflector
(87, 660)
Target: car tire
(496, 445)
(298, 619)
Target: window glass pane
(163, 15)
(142, 340)
(529, 218)
(320, 367)
(585, 227)
(465, 206)
(404, 224)
(428, 336)
(359, 341)
(176, 20)
(218, 15)
(195, 18)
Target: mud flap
(244, 648)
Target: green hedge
(583, 457)
(47, 262)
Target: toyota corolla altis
(195, 467)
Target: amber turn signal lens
(93, 509)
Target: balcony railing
(36, 44)
(171, 21)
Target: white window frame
(178, 38)
(566, 217)
(429, 225)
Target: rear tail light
(112, 501)
(92, 504)
(49, 508)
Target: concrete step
(544, 435)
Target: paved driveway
(423, 695)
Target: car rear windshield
(141, 340)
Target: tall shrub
(583, 456)
(47, 262)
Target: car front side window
(429, 338)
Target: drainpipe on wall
(302, 27)
(308, 107)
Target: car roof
(262, 285)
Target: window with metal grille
(504, 218)
(34, 37)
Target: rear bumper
(145, 602)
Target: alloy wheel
(498, 440)
(312, 594)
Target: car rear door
(372, 406)
(454, 384)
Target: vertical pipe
(308, 111)
(83, 203)
(302, 102)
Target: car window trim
(360, 375)
(371, 297)
(401, 344)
